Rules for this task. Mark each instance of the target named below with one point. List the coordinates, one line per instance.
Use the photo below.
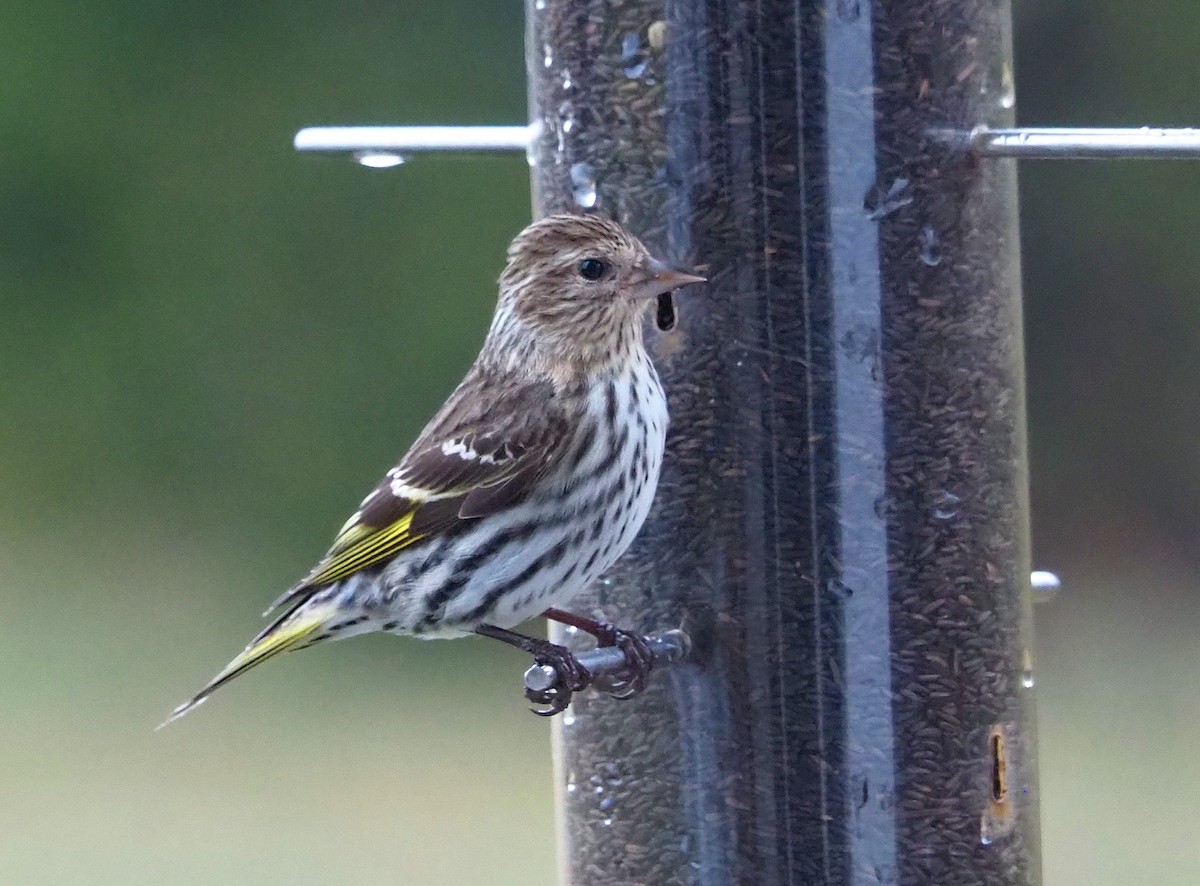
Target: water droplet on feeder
(1008, 91)
(1027, 669)
(946, 505)
(378, 159)
(539, 5)
(633, 61)
(535, 137)
(568, 719)
(583, 181)
(881, 202)
(567, 82)
(607, 822)
(548, 57)
(931, 253)
(566, 113)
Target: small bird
(531, 480)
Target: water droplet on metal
(946, 505)
(1027, 679)
(1045, 585)
(583, 181)
(568, 718)
(880, 202)
(548, 57)
(378, 159)
(931, 253)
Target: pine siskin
(530, 482)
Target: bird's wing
(480, 454)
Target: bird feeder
(839, 550)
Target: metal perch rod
(609, 663)
(1057, 143)
(1087, 144)
(415, 139)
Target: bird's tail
(292, 631)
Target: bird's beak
(652, 278)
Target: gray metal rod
(414, 139)
(1045, 143)
(1085, 144)
(608, 662)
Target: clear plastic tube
(842, 521)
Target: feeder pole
(842, 523)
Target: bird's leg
(571, 675)
(638, 657)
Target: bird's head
(579, 287)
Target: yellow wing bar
(363, 546)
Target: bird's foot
(559, 671)
(639, 660)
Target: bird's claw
(639, 661)
(569, 677)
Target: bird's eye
(592, 268)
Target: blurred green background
(211, 347)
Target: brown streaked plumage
(533, 477)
